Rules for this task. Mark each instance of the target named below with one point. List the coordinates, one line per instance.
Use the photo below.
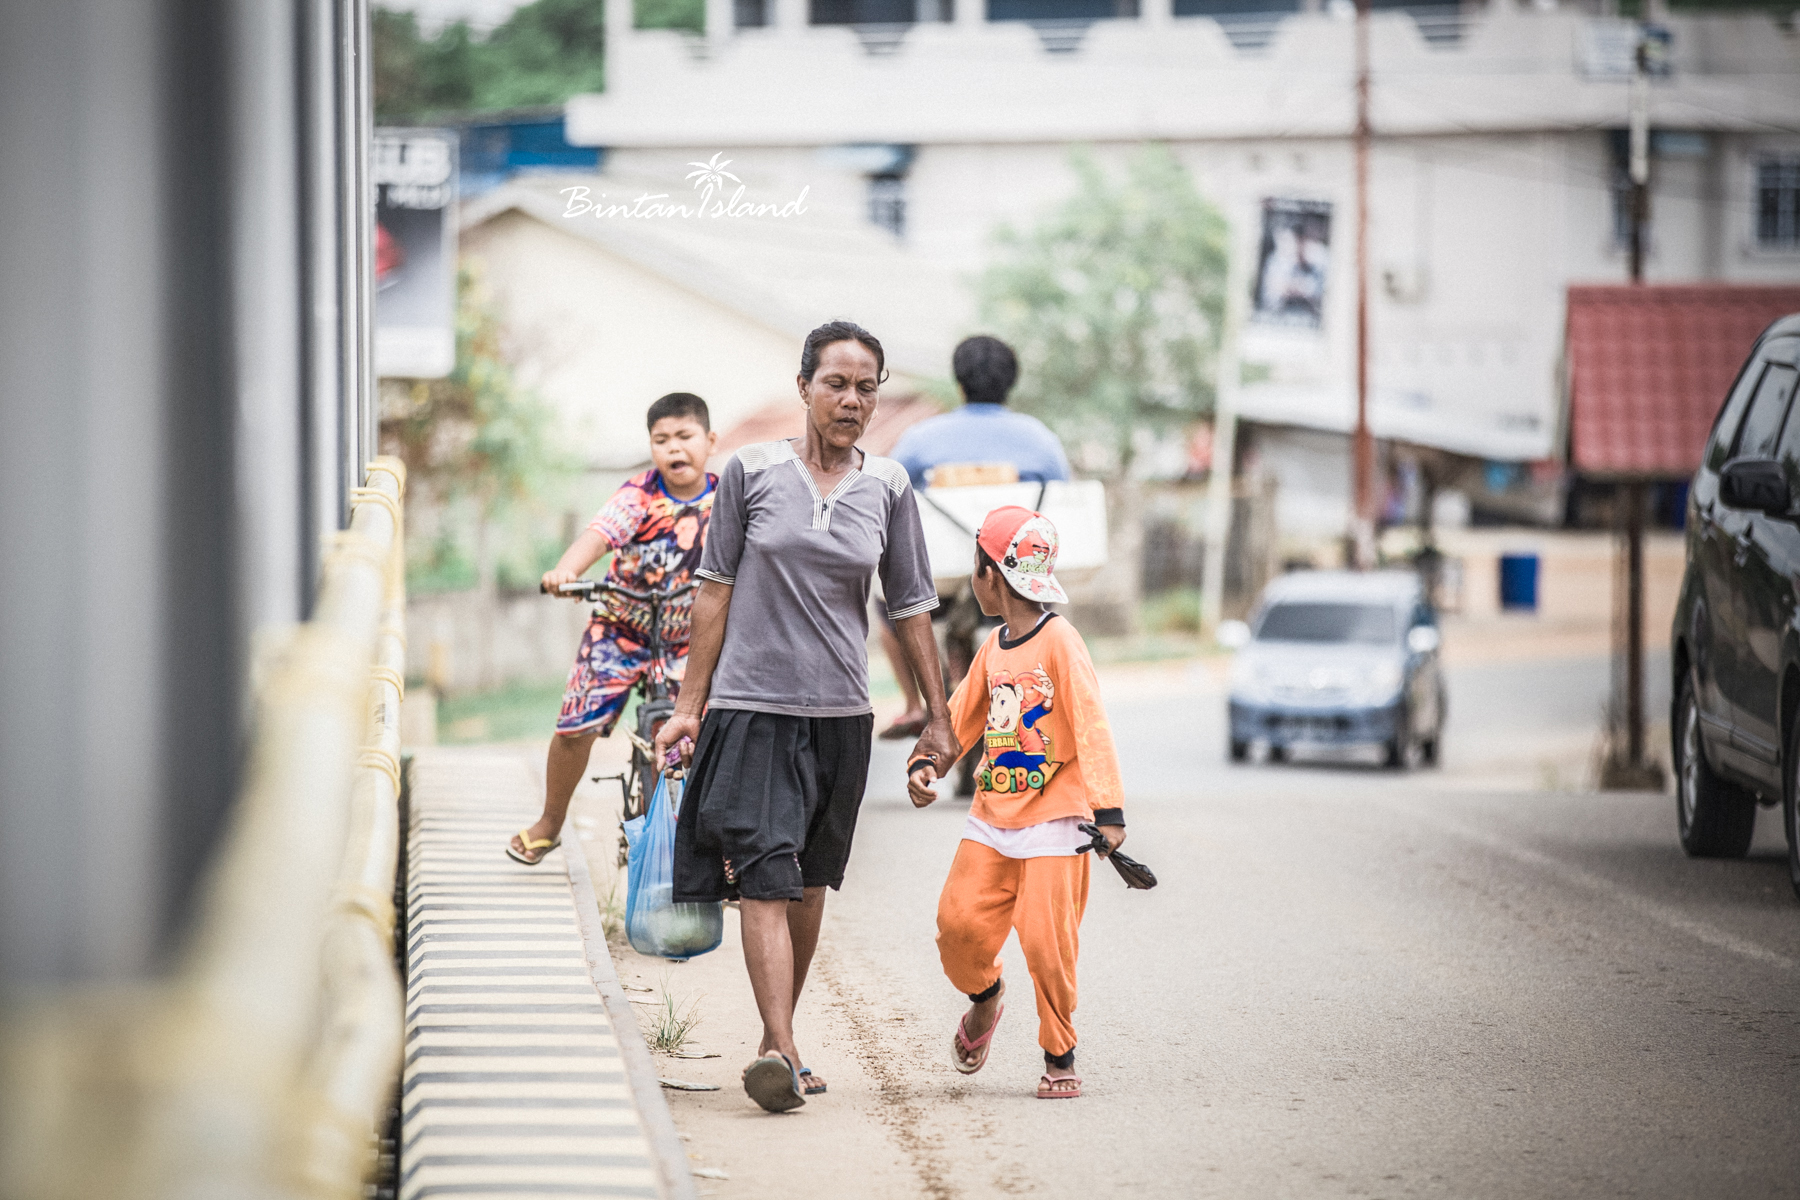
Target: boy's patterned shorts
(612, 658)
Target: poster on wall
(414, 172)
(1293, 263)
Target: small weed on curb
(673, 1023)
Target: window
(887, 203)
(862, 12)
(1724, 434)
(1778, 202)
(1304, 622)
(1789, 451)
(1762, 424)
(750, 14)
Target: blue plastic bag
(654, 923)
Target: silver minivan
(1338, 658)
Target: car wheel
(1240, 751)
(1790, 798)
(1278, 754)
(1715, 819)
(1399, 749)
(1428, 752)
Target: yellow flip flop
(548, 844)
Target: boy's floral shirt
(656, 542)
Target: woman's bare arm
(938, 743)
(706, 636)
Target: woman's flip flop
(772, 1082)
(1068, 1087)
(548, 844)
(962, 1045)
(814, 1087)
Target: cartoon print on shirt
(1018, 750)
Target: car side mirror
(1423, 639)
(1233, 635)
(1757, 484)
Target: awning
(1649, 366)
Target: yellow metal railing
(263, 1066)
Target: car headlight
(1250, 681)
(1381, 682)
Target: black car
(1736, 640)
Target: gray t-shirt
(796, 640)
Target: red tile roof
(1649, 366)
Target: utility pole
(1219, 489)
(1631, 770)
(1640, 155)
(1362, 523)
(1634, 492)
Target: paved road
(1349, 983)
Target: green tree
(545, 52)
(671, 14)
(416, 76)
(541, 55)
(1114, 302)
(478, 445)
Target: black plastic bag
(1134, 873)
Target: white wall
(1490, 180)
(601, 338)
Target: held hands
(919, 778)
(678, 732)
(937, 750)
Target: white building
(1495, 178)
(603, 315)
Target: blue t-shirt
(982, 433)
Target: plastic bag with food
(654, 923)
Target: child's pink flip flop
(1059, 1089)
(963, 1045)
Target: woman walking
(778, 664)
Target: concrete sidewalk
(525, 1073)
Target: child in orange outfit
(1049, 765)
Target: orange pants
(989, 894)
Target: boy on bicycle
(654, 525)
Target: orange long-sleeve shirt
(1034, 704)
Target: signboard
(1292, 264)
(1609, 49)
(414, 172)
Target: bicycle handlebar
(588, 589)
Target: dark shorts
(774, 796)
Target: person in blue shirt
(983, 430)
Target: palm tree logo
(710, 176)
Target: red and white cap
(1024, 544)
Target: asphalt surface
(1351, 981)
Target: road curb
(640, 1069)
